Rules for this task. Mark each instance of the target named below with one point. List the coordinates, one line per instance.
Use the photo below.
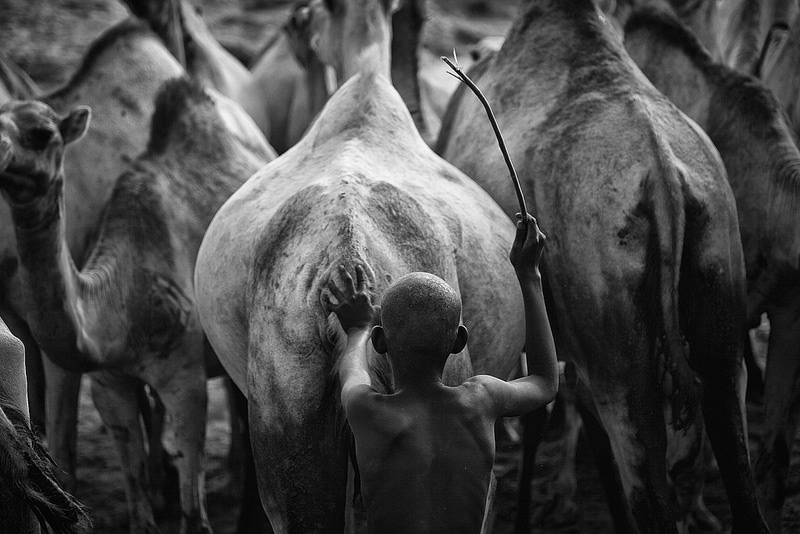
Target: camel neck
(555, 52)
(50, 276)
(557, 35)
(317, 87)
(373, 58)
(677, 66)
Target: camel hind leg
(635, 425)
(116, 399)
(712, 311)
(623, 379)
(781, 407)
(297, 432)
(185, 398)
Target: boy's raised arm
(357, 315)
(541, 384)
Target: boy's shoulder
(479, 394)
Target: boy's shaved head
(420, 312)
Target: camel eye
(38, 138)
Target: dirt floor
(48, 37)
(101, 484)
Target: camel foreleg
(61, 396)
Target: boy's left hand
(354, 304)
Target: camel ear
(74, 125)
(461, 339)
(379, 340)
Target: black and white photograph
(399, 266)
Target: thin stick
(523, 209)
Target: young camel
(185, 34)
(263, 92)
(130, 309)
(647, 263)
(754, 139)
(30, 496)
(291, 80)
(360, 188)
(118, 77)
(15, 84)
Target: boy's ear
(462, 335)
(379, 339)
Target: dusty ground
(101, 481)
(47, 38)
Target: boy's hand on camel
(526, 252)
(353, 304)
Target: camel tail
(665, 254)
(336, 337)
(29, 469)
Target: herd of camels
(191, 225)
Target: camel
(261, 94)
(185, 34)
(360, 188)
(746, 124)
(16, 84)
(291, 80)
(778, 67)
(734, 31)
(744, 27)
(698, 14)
(646, 271)
(119, 76)
(30, 494)
(283, 90)
(130, 309)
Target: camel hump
(126, 30)
(185, 115)
(666, 26)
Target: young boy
(425, 452)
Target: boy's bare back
(425, 453)
(425, 457)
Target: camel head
(32, 141)
(353, 35)
(298, 31)
(164, 17)
(180, 25)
